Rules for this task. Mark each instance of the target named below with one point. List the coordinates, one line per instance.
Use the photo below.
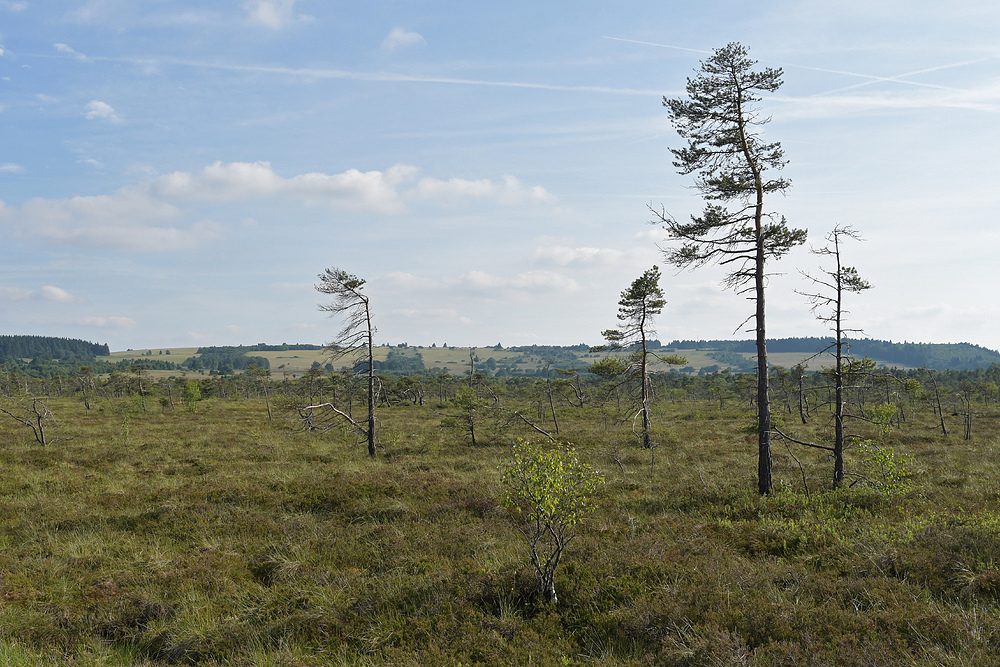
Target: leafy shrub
(552, 490)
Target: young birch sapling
(552, 491)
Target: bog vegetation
(173, 522)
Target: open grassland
(217, 537)
(455, 360)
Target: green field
(154, 535)
(455, 360)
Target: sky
(178, 172)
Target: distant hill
(29, 347)
(940, 356)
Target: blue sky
(177, 173)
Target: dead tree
(33, 413)
(828, 305)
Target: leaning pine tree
(357, 337)
(734, 167)
(639, 304)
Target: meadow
(209, 534)
(455, 360)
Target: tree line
(28, 347)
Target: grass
(216, 537)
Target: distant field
(175, 354)
(455, 360)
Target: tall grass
(217, 537)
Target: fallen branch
(801, 442)
(525, 420)
(329, 406)
(801, 470)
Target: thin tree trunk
(548, 389)
(838, 441)
(646, 441)
(371, 383)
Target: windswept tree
(735, 170)
(828, 305)
(639, 304)
(355, 339)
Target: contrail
(665, 46)
(376, 76)
(899, 78)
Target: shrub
(552, 490)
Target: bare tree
(828, 305)
(32, 412)
(356, 338)
(721, 120)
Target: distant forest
(29, 347)
(940, 356)
(42, 356)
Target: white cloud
(274, 14)
(57, 294)
(69, 50)
(127, 219)
(126, 14)
(246, 180)
(654, 234)
(12, 6)
(481, 280)
(382, 191)
(510, 191)
(11, 168)
(530, 280)
(292, 288)
(140, 168)
(564, 256)
(848, 102)
(107, 322)
(436, 315)
(14, 294)
(97, 110)
(46, 293)
(592, 259)
(405, 281)
(401, 38)
(147, 216)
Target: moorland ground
(214, 536)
